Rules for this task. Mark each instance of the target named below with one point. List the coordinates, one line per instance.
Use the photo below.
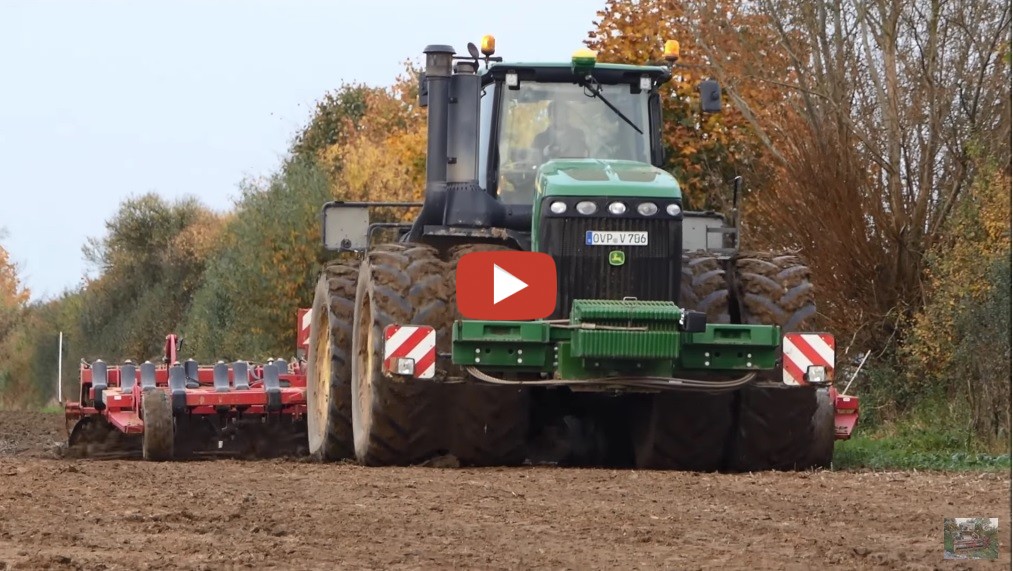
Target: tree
(28, 355)
(13, 308)
(150, 263)
(335, 116)
(263, 269)
(885, 131)
(949, 525)
(704, 152)
(875, 147)
(13, 295)
(960, 340)
(381, 156)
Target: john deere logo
(617, 257)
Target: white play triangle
(504, 284)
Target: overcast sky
(102, 100)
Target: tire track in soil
(92, 514)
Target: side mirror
(657, 143)
(345, 226)
(710, 96)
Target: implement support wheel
(158, 439)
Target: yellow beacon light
(488, 45)
(584, 60)
(672, 50)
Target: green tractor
(667, 348)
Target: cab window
(545, 121)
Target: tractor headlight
(673, 209)
(617, 208)
(586, 207)
(557, 207)
(816, 375)
(647, 208)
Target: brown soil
(94, 514)
(30, 434)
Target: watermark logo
(971, 538)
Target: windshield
(545, 121)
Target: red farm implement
(970, 541)
(183, 409)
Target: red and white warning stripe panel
(803, 350)
(410, 350)
(302, 336)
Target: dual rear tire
(766, 425)
(390, 420)
(328, 382)
(780, 427)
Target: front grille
(650, 273)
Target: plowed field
(114, 514)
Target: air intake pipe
(463, 116)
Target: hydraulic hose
(662, 383)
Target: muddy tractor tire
(704, 286)
(489, 423)
(683, 431)
(397, 422)
(821, 449)
(776, 290)
(329, 364)
(774, 429)
(158, 440)
(689, 431)
(780, 427)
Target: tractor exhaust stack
(439, 65)
(435, 95)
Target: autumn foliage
(263, 269)
(960, 341)
(383, 151)
(704, 151)
(13, 296)
(13, 300)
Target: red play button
(505, 286)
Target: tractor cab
(505, 138)
(535, 113)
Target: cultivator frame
(211, 407)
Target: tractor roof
(550, 72)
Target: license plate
(599, 238)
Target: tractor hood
(613, 178)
